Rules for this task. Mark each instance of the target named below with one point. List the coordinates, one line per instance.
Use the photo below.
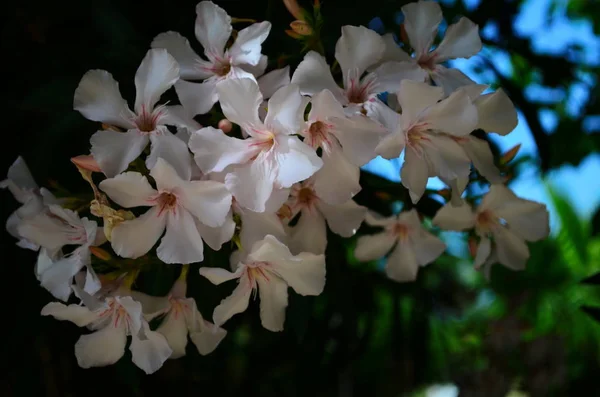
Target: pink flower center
(358, 91)
(318, 135)
(167, 202)
(486, 221)
(146, 121)
(400, 230)
(427, 61)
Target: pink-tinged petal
(484, 250)
(86, 162)
(285, 113)
(101, 348)
(324, 106)
(179, 117)
(134, 238)
(390, 74)
(455, 115)
(240, 100)
(313, 75)
(179, 47)
(129, 189)
(373, 247)
(402, 265)
(461, 40)
(46, 230)
(309, 234)
(421, 20)
(427, 247)
(359, 136)
(343, 219)
(251, 184)
(451, 217)
(480, 153)
(149, 353)
(218, 276)
(214, 151)
(175, 331)
(414, 97)
(114, 150)
(182, 242)
(235, 303)
(305, 272)
(297, 161)
(414, 174)
(528, 219)
(273, 301)
(247, 46)
(357, 49)
(450, 79)
(174, 151)
(338, 180)
(511, 249)
(208, 201)
(257, 225)
(213, 27)
(273, 81)
(197, 98)
(497, 113)
(98, 98)
(156, 74)
(77, 314)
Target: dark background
(366, 335)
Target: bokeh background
(531, 333)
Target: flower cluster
(274, 187)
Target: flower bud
(301, 27)
(100, 253)
(509, 155)
(86, 162)
(225, 126)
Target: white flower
(504, 223)
(421, 20)
(347, 143)
(98, 98)
(310, 233)
(496, 112)
(269, 84)
(184, 208)
(270, 268)
(52, 230)
(180, 318)
(112, 320)
(33, 200)
(427, 129)
(414, 245)
(271, 158)
(356, 50)
(213, 28)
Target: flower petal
(197, 98)
(450, 79)
(209, 201)
(357, 49)
(214, 151)
(179, 117)
(273, 301)
(149, 353)
(246, 48)
(313, 75)
(215, 237)
(391, 146)
(173, 150)
(309, 234)
(98, 98)
(359, 136)
(129, 189)
(179, 47)
(273, 81)
(204, 334)
(460, 41)
(58, 278)
(343, 219)
(165, 176)
(511, 250)
(414, 97)
(427, 247)
(285, 113)
(421, 20)
(101, 348)
(528, 219)
(113, 151)
(213, 27)
(373, 247)
(480, 153)
(217, 275)
(402, 265)
(305, 272)
(455, 115)
(484, 250)
(251, 184)
(175, 331)
(324, 106)
(240, 100)
(338, 180)
(255, 70)
(297, 161)
(392, 50)
(235, 303)
(391, 74)
(77, 314)
(496, 112)
(134, 238)
(182, 242)
(414, 174)
(451, 217)
(257, 225)
(446, 158)
(156, 74)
